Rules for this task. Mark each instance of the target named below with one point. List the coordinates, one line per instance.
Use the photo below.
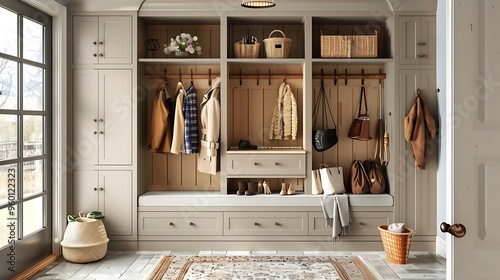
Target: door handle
(457, 230)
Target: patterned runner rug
(261, 267)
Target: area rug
(261, 267)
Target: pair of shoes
(265, 186)
(287, 189)
(246, 145)
(247, 188)
(260, 187)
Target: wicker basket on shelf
(349, 46)
(277, 47)
(246, 50)
(396, 245)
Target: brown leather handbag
(375, 173)
(360, 183)
(360, 126)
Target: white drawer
(363, 223)
(268, 165)
(180, 223)
(264, 223)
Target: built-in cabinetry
(103, 121)
(417, 37)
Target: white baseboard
(440, 247)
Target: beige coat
(419, 130)
(178, 135)
(284, 121)
(210, 129)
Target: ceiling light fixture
(258, 3)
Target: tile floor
(136, 265)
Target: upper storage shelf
(206, 29)
(260, 28)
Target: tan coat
(419, 130)
(161, 123)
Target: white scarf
(337, 216)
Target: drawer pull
(255, 163)
(256, 224)
(276, 163)
(170, 224)
(277, 224)
(191, 224)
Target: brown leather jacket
(419, 130)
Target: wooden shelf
(177, 61)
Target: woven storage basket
(85, 240)
(277, 47)
(396, 245)
(356, 46)
(246, 50)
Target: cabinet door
(85, 117)
(85, 191)
(115, 201)
(417, 40)
(115, 117)
(85, 40)
(418, 191)
(115, 40)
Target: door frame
(59, 116)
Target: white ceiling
(234, 5)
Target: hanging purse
(360, 183)
(324, 138)
(360, 127)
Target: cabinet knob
(101, 132)
(101, 43)
(95, 55)
(101, 189)
(276, 163)
(101, 55)
(423, 44)
(170, 224)
(255, 163)
(95, 43)
(95, 132)
(94, 120)
(256, 224)
(422, 56)
(191, 224)
(277, 224)
(101, 120)
(95, 189)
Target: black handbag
(324, 138)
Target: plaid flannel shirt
(191, 130)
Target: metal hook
(284, 76)
(257, 76)
(335, 77)
(180, 76)
(269, 76)
(165, 75)
(322, 78)
(345, 77)
(380, 72)
(362, 77)
(191, 70)
(418, 92)
(210, 77)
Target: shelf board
(176, 61)
(276, 150)
(373, 61)
(267, 61)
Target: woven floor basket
(246, 50)
(85, 240)
(356, 46)
(277, 47)
(396, 245)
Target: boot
(252, 188)
(260, 188)
(291, 189)
(284, 189)
(267, 189)
(242, 187)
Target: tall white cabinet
(103, 122)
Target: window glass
(8, 183)
(32, 216)
(32, 136)
(8, 137)
(32, 177)
(8, 29)
(33, 88)
(32, 40)
(8, 84)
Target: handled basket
(246, 50)
(396, 245)
(277, 47)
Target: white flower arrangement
(184, 43)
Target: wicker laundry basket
(396, 245)
(350, 46)
(85, 240)
(246, 50)
(277, 47)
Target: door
(115, 39)
(115, 201)
(25, 137)
(85, 40)
(472, 196)
(417, 40)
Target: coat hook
(362, 77)
(191, 70)
(322, 77)
(209, 77)
(180, 76)
(334, 77)
(257, 76)
(284, 76)
(345, 77)
(269, 76)
(165, 76)
(380, 72)
(241, 82)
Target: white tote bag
(316, 182)
(332, 179)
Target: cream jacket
(284, 121)
(178, 135)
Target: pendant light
(258, 3)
